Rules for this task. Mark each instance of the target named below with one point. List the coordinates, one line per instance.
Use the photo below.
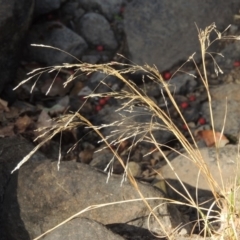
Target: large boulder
(15, 17)
(13, 150)
(164, 32)
(39, 197)
(221, 163)
(86, 228)
(225, 108)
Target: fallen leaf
(208, 137)
(22, 123)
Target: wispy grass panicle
(164, 122)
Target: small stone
(134, 168)
(97, 31)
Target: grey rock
(230, 54)
(15, 17)
(82, 228)
(39, 197)
(93, 59)
(107, 7)
(163, 32)
(232, 124)
(229, 91)
(183, 84)
(132, 123)
(71, 11)
(101, 82)
(134, 168)
(46, 6)
(101, 159)
(56, 35)
(219, 107)
(188, 172)
(96, 30)
(13, 150)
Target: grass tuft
(160, 120)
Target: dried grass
(224, 200)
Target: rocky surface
(59, 194)
(86, 228)
(97, 31)
(94, 31)
(156, 27)
(133, 124)
(227, 158)
(225, 105)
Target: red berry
(100, 48)
(98, 108)
(236, 64)
(192, 98)
(102, 101)
(167, 75)
(185, 127)
(184, 105)
(202, 121)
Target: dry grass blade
(160, 119)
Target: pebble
(134, 168)
(97, 31)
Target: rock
(15, 17)
(163, 32)
(56, 35)
(132, 232)
(188, 171)
(229, 91)
(100, 82)
(133, 123)
(96, 30)
(230, 54)
(183, 84)
(107, 7)
(134, 168)
(82, 228)
(70, 12)
(39, 197)
(219, 106)
(13, 150)
(101, 159)
(91, 58)
(45, 6)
